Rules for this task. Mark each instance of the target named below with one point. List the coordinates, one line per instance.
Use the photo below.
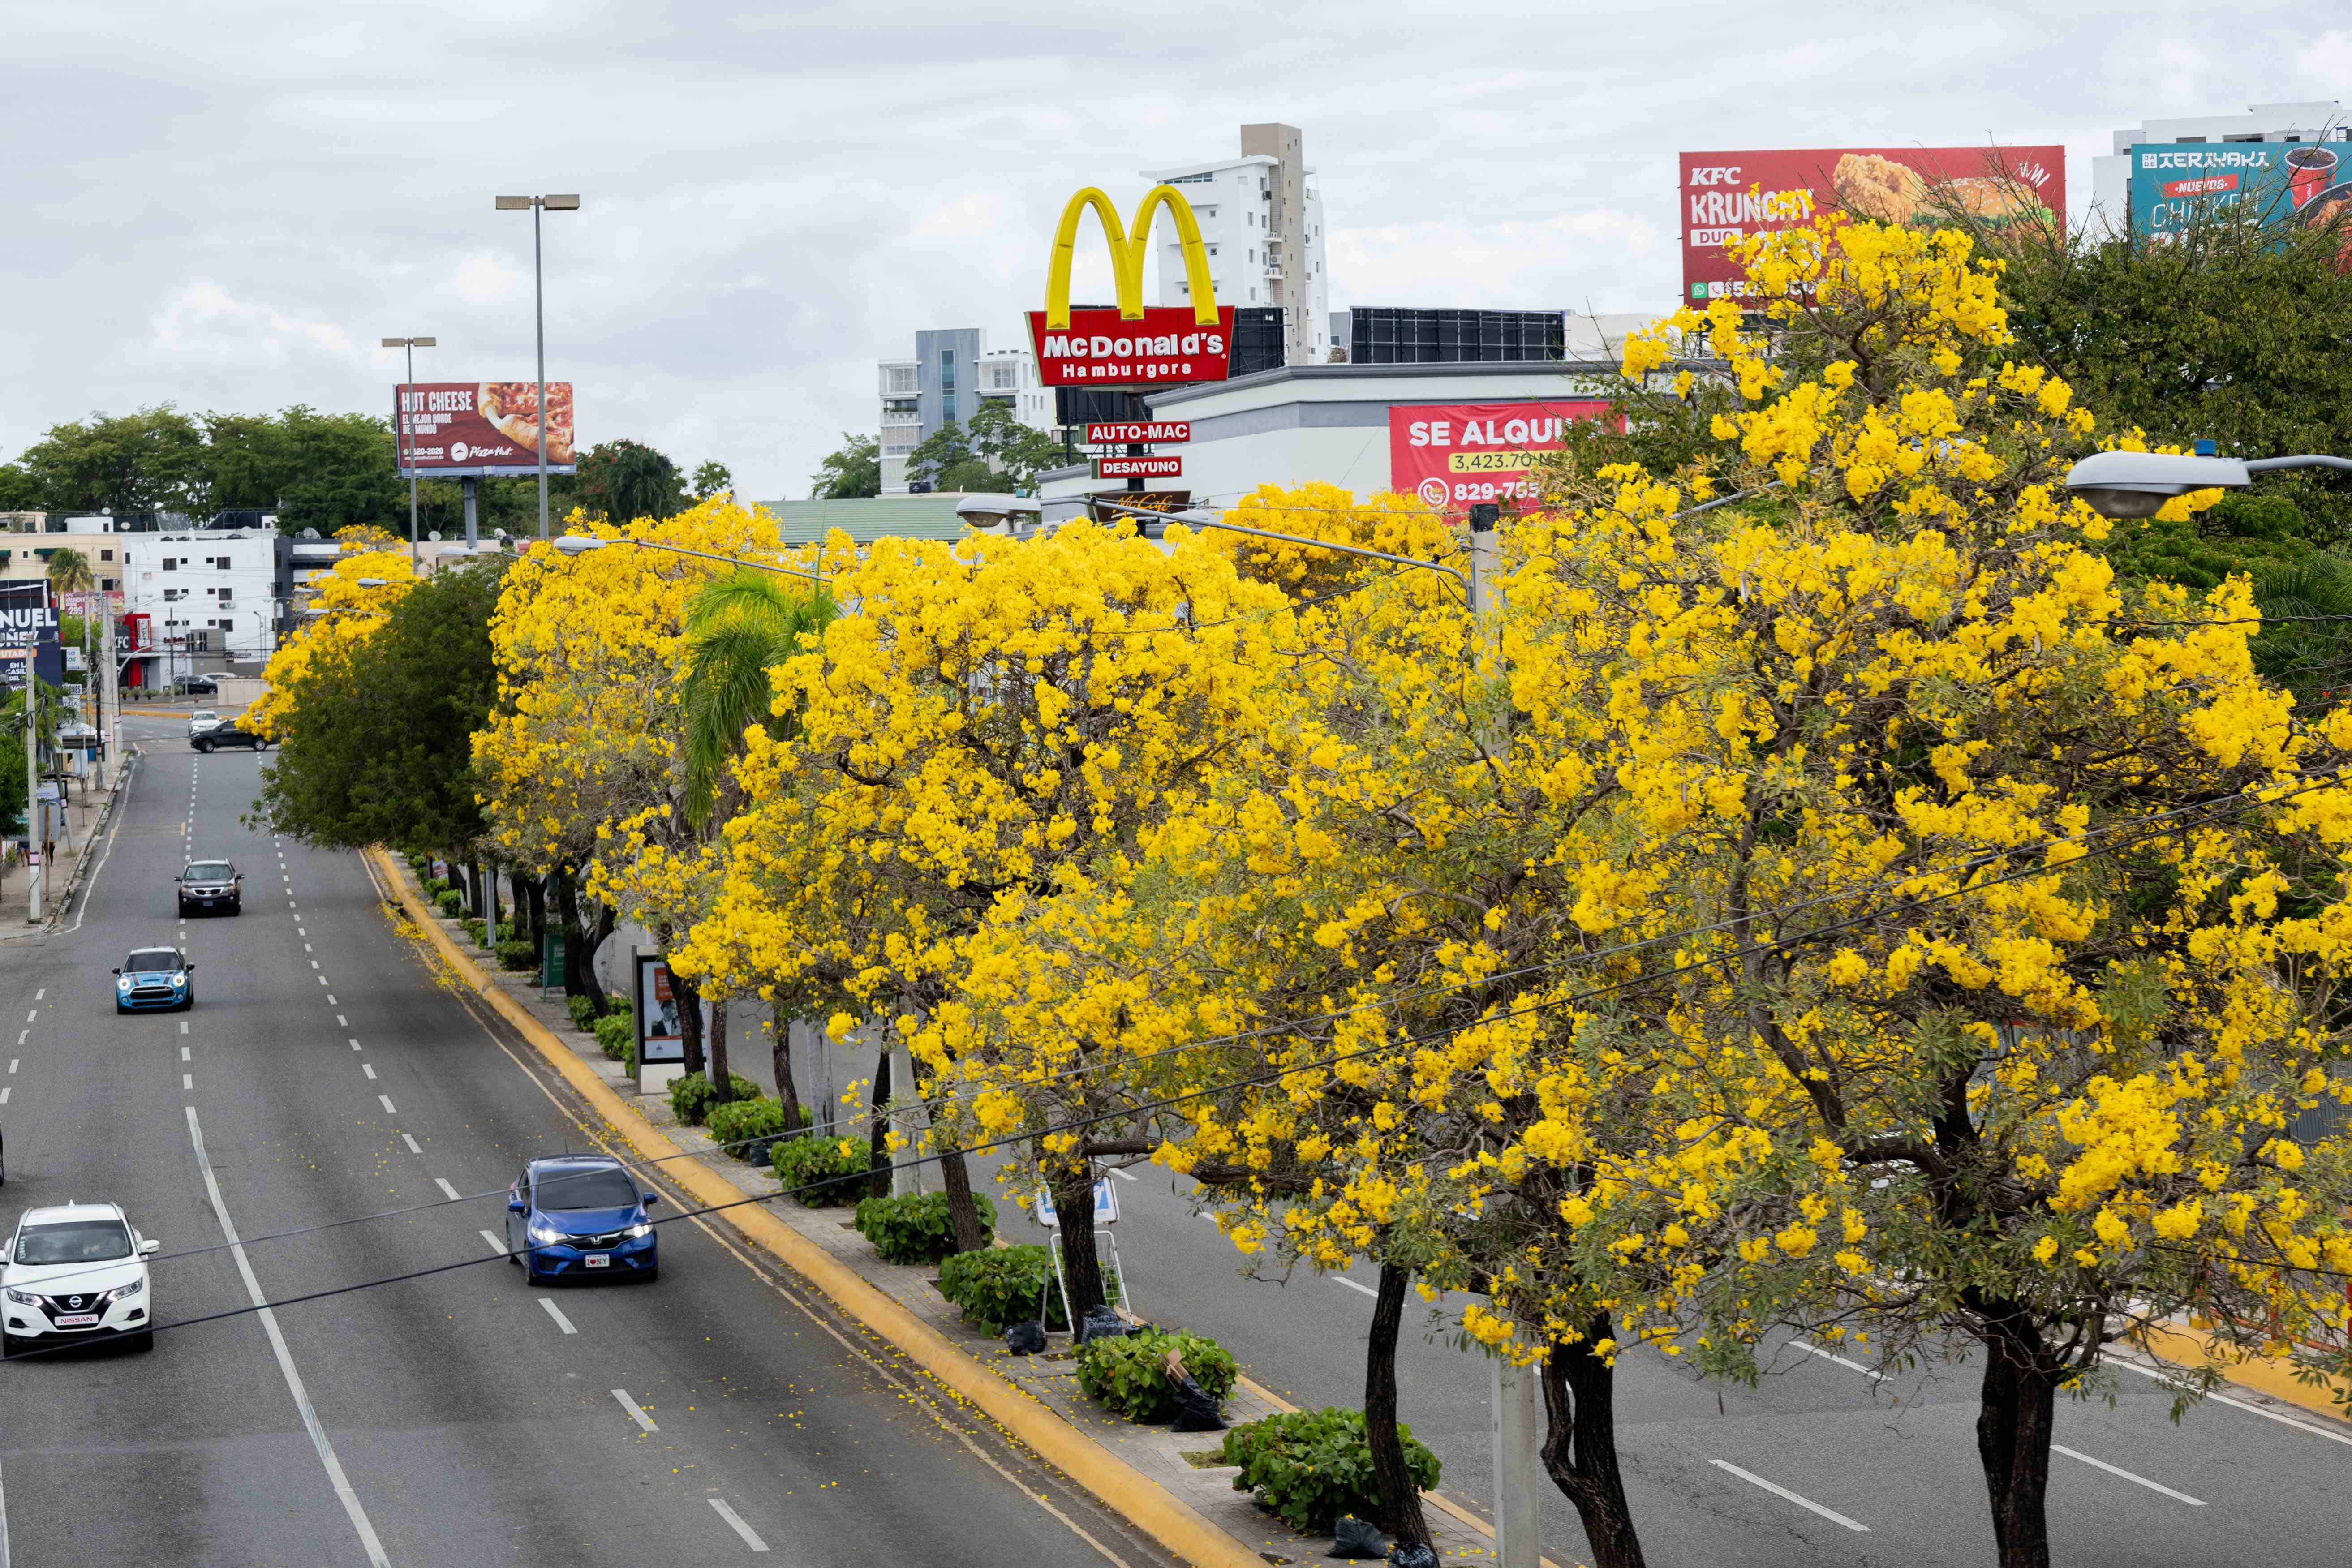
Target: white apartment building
(953, 375)
(2321, 119)
(1261, 219)
(222, 583)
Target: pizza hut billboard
(480, 430)
(1454, 454)
(1726, 196)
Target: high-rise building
(1261, 222)
(952, 375)
(2322, 120)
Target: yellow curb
(1142, 1501)
(1438, 1501)
(2193, 1347)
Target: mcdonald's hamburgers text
(1103, 348)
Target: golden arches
(1127, 254)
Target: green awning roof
(866, 521)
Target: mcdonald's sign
(1133, 344)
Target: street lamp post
(411, 345)
(2130, 485)
(565, 204)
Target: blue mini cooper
(154, 980)
(575, 1217)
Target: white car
(77, 1272)
(203, 722)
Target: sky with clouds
(226, 207)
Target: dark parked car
(211, 885)
(199, 685)
(229, 736)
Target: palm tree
(70, 572)
(2308, 648)
(738, 629)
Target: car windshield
(151, 958)
(204, 713)
(81, 1241)
(209, 871)
(604, 1188)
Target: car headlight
(123, 983)
(178, 981)
(124, 1292)
(539, 1230)
(24, 1299)
(641, 1230)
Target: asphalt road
(1896, 1459)
(721, 1413)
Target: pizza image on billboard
(459, 429)
(1729, 196)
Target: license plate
(77, 1320)
(598, 1260)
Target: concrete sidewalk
(88, 812)
(1183, 1463)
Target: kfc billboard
(483, 429)
(1452, 454)
(1726, 196)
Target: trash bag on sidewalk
(1196, 1407)
(1103, 1323)
(1412, 1554)
(1025, 1337)
(1356, 1538)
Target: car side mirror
(191, 968)
(652, 1198)
(117, 971)
(6, 1249)
(516, 1205)
(150, 1247)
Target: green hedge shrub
(1130, 1375)
(449, 900)
(417, 863)
(435, 886)
(690, 1096)
(518, 953)
(830, 1170)
(615, 1034)
(1309, 1467)
(915, 1227)
(583, 1014)
(1001, 1285)
(478, 930)
(739, 1121)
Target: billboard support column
(111, 720)
(472, 489)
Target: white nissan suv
(77, 1272)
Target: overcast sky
(226, 207)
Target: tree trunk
(689, 1019)
(1074, 1206)
(721, 1075)
(878, 1141)
(579, 948)
(2016, 1418)
(780, 1051)
(1399, 1495)
(1580, 1450)
(963, 1215)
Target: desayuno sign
(1133, 344)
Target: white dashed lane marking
(184, 1026)
(369, 1071)
(2119, 1471)
(386, 1100)
(343, 1021)
(496, 1245)
(411, 1144)
(3, 1096)
(637, 1412)
(187, 1081)
(452, 1193)
(1351, 1284)
(556, 1313)
(749, 1538)
(1780, 1491)
(183, 1056)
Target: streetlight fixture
(411, 345)
(582, 543)
(2131, 485)
(536, 205)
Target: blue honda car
(154, 980)
(578, 1215)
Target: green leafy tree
(1020, 452)
(711, 478)
(945, 460)
(852, 473)
(20, 490)
(377, 735)
(624, 480)
(148, 461)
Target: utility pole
(536, 205)
(110, 717)
(33, 781)
(407, 449)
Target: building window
(171, 563)
(221, 562)
(227, 594)
(105, 555)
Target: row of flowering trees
(1821, 897)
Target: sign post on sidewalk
(33, 784)
(1517, 1437)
